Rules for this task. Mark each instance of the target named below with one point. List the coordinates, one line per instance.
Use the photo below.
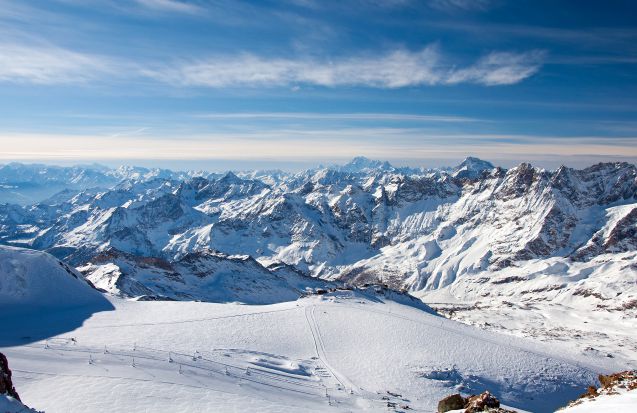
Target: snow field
(346, 351)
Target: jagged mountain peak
(230, 178)
(364, 164)
(471, 168)
(472, 161)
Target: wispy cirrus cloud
(402, 117)
(171, 6)
(42, 63)
(393, 70)
(500, 68)
(46, 64)
(603, 39)
(397, 69)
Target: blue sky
(294, 83)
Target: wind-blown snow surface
(345, 351)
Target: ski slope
(339, 352)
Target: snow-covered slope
(9, 397)
(10, 405)
(32, 281)
(622, 402)
(342, 351)
(34, 284)
(618, 393)
(592, 305)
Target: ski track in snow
(321, 353)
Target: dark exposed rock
(611, 383)
(518, 181)
(622, 237)
(510, 279)
(590, 392)
(453, 402)
(481, 402)
(627, 379)
(6, 385)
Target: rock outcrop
(6, 384)
(9, 399)
(452, 402)
(483, 402)
(626, 379)
(611, 385)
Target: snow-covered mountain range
(26, 184)
(473, 239)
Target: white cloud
(42, 63)
(499, 68)
(170, 6)
(48, 65)
(338, 116)
(394, 70)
